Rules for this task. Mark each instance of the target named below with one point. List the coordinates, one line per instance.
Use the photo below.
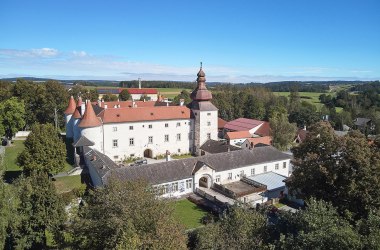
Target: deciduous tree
(12, 116)
(282, 131)
(124, 95)
(44, 151)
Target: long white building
(122, 130)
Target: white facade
(132, 139)
(153, 97)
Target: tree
(44, 151)
(342, 170)
(185, 95)
(282, 131)
(56, 99)
(241, 228)
(40, 211)
(12, 113)
(124, 95)
(254, 108)
(109, 98)
(126, 215)
(319, 226)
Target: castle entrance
(148, 153)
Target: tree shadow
(70, 151)
(10, 176)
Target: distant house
(254, 127)
(137, 93)
(365, 125)
(237, 137)
(250, 143)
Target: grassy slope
(313, 95)
(188, 213)
(67, 183)
(11, 154)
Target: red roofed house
(121, 130)
(252, 142)
(137, 93)
(236, 138)
(255, 127)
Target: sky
(237, 41)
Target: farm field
(171, 92)
(312, 97)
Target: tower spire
(201, 92)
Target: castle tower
(76, 118)
(91, 127)
(68, 115)
(205, 114)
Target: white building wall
(208, 125)
(69, 126)
(234, 141)
(141, 133)
(76, 129)
(95, 135)
(153, 97)
(175, 188)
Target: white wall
(69, 126)
(205, 127)
(95, 135)
(141, 133)
(153, 97)
(234, 141)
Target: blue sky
(237, 41)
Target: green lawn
(188, 213)
(11, 153)
(312, 97)
(68, 183)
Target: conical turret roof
(77, 114)
(89, 118)
(71, 107)
(201, 93)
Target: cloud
(79, 64)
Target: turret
(76, 118)
(90, 127)
(68, 118)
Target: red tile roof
(71, 107)
(142, 91)
(238, 135)
(89, 119)
(144, 114)
(242, 124)
(221, 123)
(264, 140)
(263, 130)
(77, 114)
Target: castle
(129, 129)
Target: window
(166, 125)
(130, 127)
(178, 124)
(165, 189)
(175, 187)
(241, 173)
(131, 141)
(114, 129)
(116, 157)
(217, 178)
(276, 167)
(252, 171)
(229, 176)
(150, 126)
(284, 165)
(179, 150)
(115, 143)
(189, 184)
(150, 139)
(208, 123)
(208, 136)
(265, 168)
(132, 155)
(166, 138)
(178, 137)
(208, 114)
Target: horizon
(249, 41)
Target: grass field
(11, 153)
(312, 97)
(188, 213)
(67, 183)
(171, 92)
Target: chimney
(118, 105)
(105, 106)
(102, 100)
(83, 108)
(168, 158)
(133, 104)
(99, 103)
(304, 127)
(139, 83)
(114, 106)
(181, 102)
(94, 158)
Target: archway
(148, 153)
(205, 181)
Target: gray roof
(182, 169)
(202, 106)
(270, 179)
(361, 121)
(214, 147)
(101, 163)
(83, 141)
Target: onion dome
(71, 107)
(78, 108)
(89, 119)
(201, 93)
